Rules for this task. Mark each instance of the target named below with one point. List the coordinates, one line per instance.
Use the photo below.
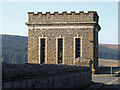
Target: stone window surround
(60, 36)
(74, 47)
(45, 48)
(57, 48)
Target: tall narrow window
(60, 50)
(77, 47)
(42, 50)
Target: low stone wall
(62, 76)
(82, 62)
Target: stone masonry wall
(69, 80)
(51, 34)
(65, 25)
(96, 49)
(62, 17)
(45, 76)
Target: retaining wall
(65, 77)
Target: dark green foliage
(14, 50)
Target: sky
(14, 15)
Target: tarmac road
(113, 84)
(102, 79)
(107, 81)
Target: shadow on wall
(45, 76)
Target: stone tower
(61, 38)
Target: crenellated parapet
(64, 17)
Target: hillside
(112, 46)
(14, 49)
(108, 51)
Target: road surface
(113, 84)
(107, 81)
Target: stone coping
(14, 71)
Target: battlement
(64, 17)
(63, 13)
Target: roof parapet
(63, 13)
(56, 13)
(30, 12)
(72, 12)
(47, 13)
(64, 17)
(39, 13)
(92, 12)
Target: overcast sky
(14, 16)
